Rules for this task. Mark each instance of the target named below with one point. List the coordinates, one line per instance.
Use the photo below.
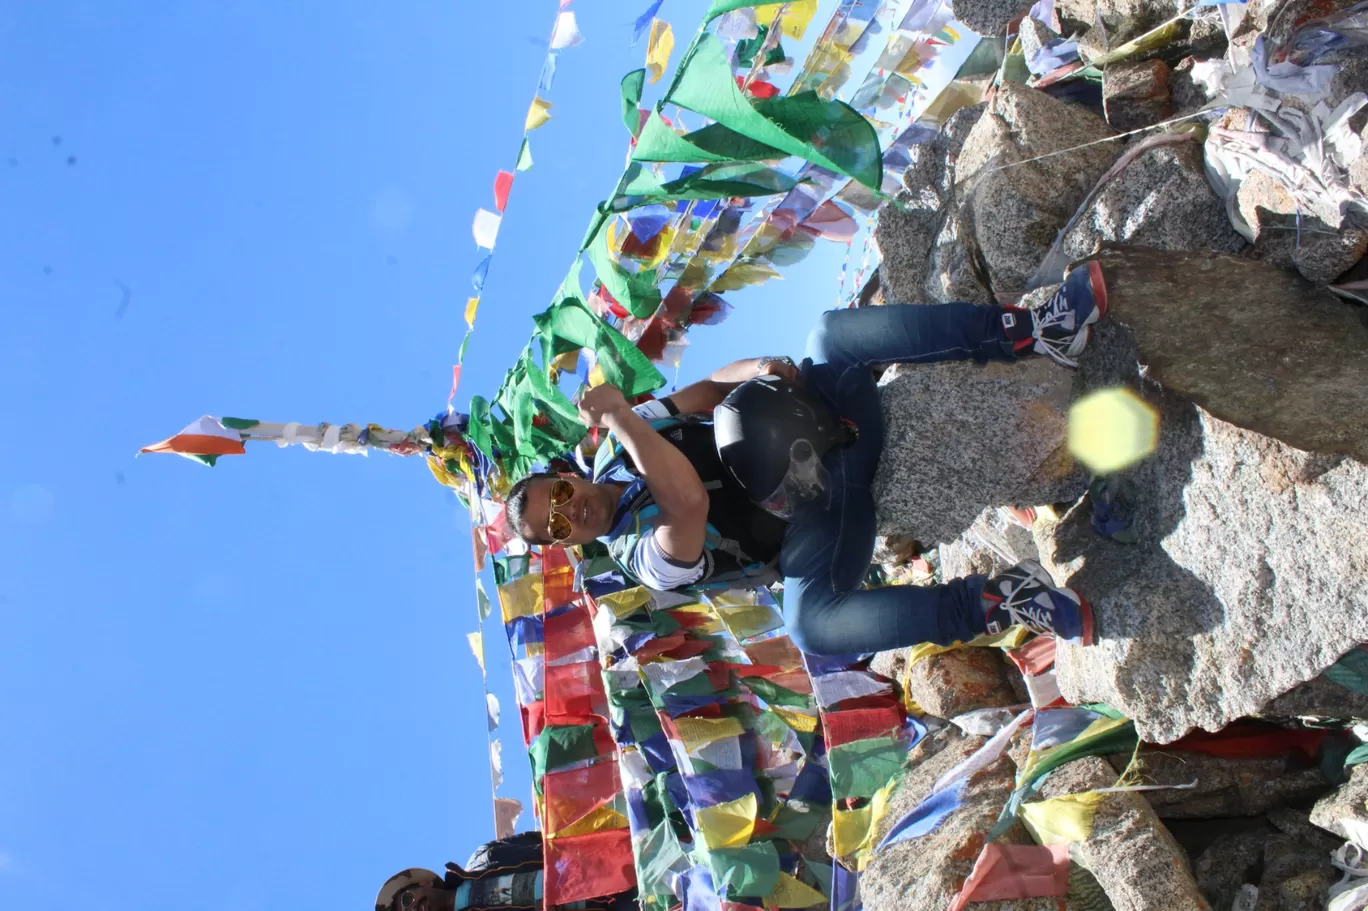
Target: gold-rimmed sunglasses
(558, 524)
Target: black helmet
(772, 435)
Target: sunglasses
(558, 524)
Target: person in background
(502, 875)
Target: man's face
(590, 510)
(425, 898)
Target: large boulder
(1135, 93)
(1134, 858)
(959, 681)
(988, 17)
(1348, 804)
(1020, 198)
(1225, 787)
(1161, 199)
(1251, 575)
(927, 872)
(1285, 864)
(1315, 243)
(961, 437)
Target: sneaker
(1025, 595)
(1062, 326)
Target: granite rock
(1349, 801)
(989, 17)
(1134, 858)
(1319, 697)
(1225, 787)
(1121, 20)
(1135, 93)
(903, 237)
(1245, 541)
(1034, 35)
(1230, 862)
(1161, 199)
(927, 872)
(1320, 248)
(959, 681)
(945, 428)
(1297, 874)
(1018, 207)
(954, 268)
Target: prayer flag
(659, 50)
(472, 305)
(492, 708)
(643, 21)
(476, 640)
(566, 33)
(1005, 872)
(503, 183)
(580, 867)
(481, 271)
(537, 114)
(204, 441)
(524, 157)
(486, 228)
(506, 813)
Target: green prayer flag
(827, 133)
(460, 354)
(238, 423)
(570, 324)
(524, 156)
(721, 180)
(482, 600)
(632, 85)
(751, 871)
(860, 768)
(1357, 755)
(659, 142)
(774, 694)
(1350, 672)
(558, 746)
(637, 291)
(747, 48)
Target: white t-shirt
(648, 561)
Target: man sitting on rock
(503, 875)
(670, 529)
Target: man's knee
(811, 621)
(819, 340)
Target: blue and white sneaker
(1062, 326)
(1025, 595)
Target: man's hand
(781, 367)
(599, 402)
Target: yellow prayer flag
(601, 820)
(794, 893)
(695, 732)
(476, 640)
(569, 361)
(801, 722)
(522, 597)
(596, 376)
(626, 602)
(537, 114)
(797, 17)
(728, 825)
(1061, 819)
(659, 50)
(750, 620)
(849, 830)
(471, 306)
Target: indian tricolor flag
(206, 440)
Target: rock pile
(1246, 590)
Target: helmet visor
(806, 485)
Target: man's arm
(674, 484)
(705, 395)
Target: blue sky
(248, 687)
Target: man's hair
(515, 504)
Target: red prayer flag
(573, 794)
(567, 632)
(1004, 872)
(503, 183)
(580, 867)
(455, 382)
(1035, 657)
(575, 689)
(861, 724)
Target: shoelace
(1054, 314)
(1026, 614)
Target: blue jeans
(827, 553)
